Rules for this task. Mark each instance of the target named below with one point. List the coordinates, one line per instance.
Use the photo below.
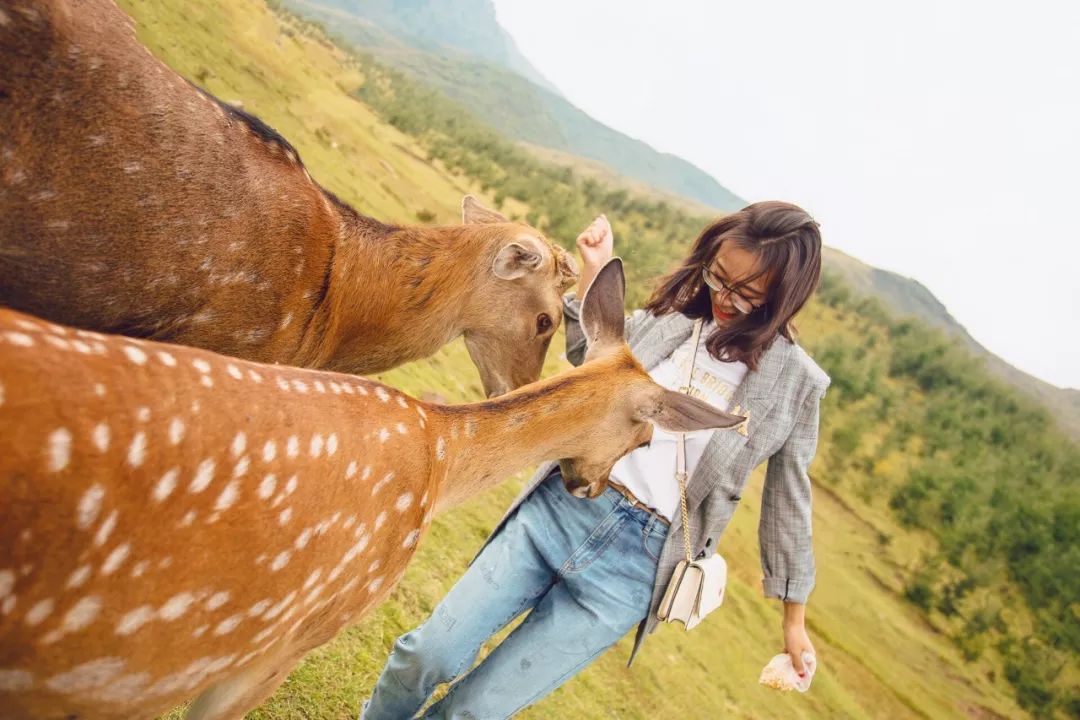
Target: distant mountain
(903, 296)
(458, 47)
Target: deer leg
(235, 695)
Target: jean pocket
(652, 542)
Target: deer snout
(578, 486)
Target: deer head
(527, 277)
(636, 402)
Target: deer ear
(602, 316)
(678, 412)
(473, 212)
(518, 259)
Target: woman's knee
(423, 657)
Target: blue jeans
(584, 567)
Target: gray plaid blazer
(780, 400)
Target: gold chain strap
(680, 458)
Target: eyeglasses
(718, 285)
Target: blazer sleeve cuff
(571, 306)
(794, 590)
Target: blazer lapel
(659, 340)
(753, 398)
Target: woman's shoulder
(804, 367)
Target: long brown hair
(787, 243)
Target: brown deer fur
(179, 523)
(132, 202)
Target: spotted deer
(179, 523)
(132, 202)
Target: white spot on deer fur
(440, 448)
(99, 389)
(81, 614)
(188, 519)
(134, 620)
(142, 414)
(176, 431)
(166, 358)
(380, 392)
(350, 471)
(316, 445)
(228, 496)
(165, 562)
(258, 608)
(89, 506)
(263, 634)
(234, 371)
(362, 390)
(204, 474)
(126, 689)
(57, 342)
(411, 539)
(201, 365)
(303, 539)
(404, 502)
(266, 487)
(331, 444)
(140, 569)
(86, 676)
(384, 435)
(471, 428)
(137, 450)
(319, 386)
(165, 486)
(200, 631)
(206, 381)
(366, 473)
(290, 485)
(76, 579)
(103, 533)
(380, 520)
(227, 625)
(59, 449)
(100, 437)
(284, 516)
(335, 388)
(269, 451)
(312, 579)
(347, 388)
(285, 321)
(375, 584)
(280, 560)
(14, 680)
(8, 605)
(176, 606)
(41, 610)
(300, 386)
(20, 339)
(239, 443)
(292, 447)
(402, 429)
(402, 402)
(116, 559)
(132, 167)
(135, 355)
(85, 349)
(255, 377)
(283, 384)
(217, 600)
(382, 483)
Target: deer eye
(543, 323)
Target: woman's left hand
(796, 642)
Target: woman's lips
(722, 316)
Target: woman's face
(732, 264)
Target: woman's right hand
(596, 244)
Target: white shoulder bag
(697, 586)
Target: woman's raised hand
(596, 244)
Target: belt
(635, 503)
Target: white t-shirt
(649, 472)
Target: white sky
(940, 140)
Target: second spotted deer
(181, 524)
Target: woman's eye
(543, 323)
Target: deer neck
(398, 293)
(481, 444)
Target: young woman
(590, 570)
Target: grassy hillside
(883, 618)
(508, 101)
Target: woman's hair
(787, 244)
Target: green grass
(879, 656)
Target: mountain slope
(465, 66)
